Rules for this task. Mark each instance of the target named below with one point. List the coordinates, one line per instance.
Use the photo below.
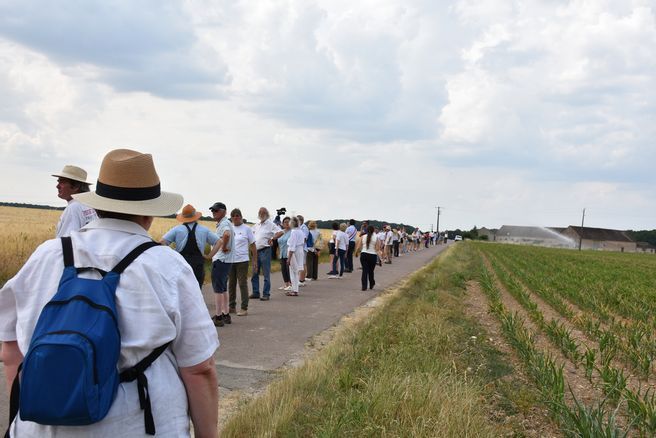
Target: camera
(281, 211)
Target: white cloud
(500, 112)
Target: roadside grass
(409, 369)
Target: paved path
(275, 332)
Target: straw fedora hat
(73, 172)
(188, 214)
(128, 183)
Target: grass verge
(404, 371)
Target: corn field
(595, 314)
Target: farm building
(533, 236)
(490, 233)
(645, 247)
(601, 239)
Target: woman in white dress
(295, 255)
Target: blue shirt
(179, 234)
(282, 244)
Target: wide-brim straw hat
(73, 172)
(188, 214)
(129, 184)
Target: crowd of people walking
(157, 300)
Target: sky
(499, 112)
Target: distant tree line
(358, 224)
(19, 205)
(648, 236)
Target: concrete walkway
(275, 332)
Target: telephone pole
(437, 229)
(581, 235)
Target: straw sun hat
(73, 172)
(128, 183)
(188, 214)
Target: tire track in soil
(538, 422)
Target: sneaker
(302, 284)
(242, 312)
(265, 298)
(308, 279)
(218, 321)
(253, 296)
(288, 288)
(226, 318)
(333, 276)
(282, 287)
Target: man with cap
(72, 180)
(190, 239)
(157, 303)
(221, 256)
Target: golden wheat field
(22, 230)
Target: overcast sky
(500, 112)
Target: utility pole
(437, 229)
(581, 235)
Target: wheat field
(22, 230)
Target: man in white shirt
(387, 250)
(351, 232)
(157, 301)
(265, 231)
(72, 180)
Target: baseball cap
(218, 206)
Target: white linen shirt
(75, 216)
(264, 231)
(157, 300)
(296, 241)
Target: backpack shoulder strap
(120, 267)
(137, 373)
(67, 249)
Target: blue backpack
(69, 374)
(310, 240)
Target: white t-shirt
(341, 240)
(372, 245)
(75, 216)
(157, 300)
(243, 238)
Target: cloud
(150, 48)
(568, 87)
(499, 112)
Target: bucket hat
(128, 183)
(188, 214)
(73, 172)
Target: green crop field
(583, 326)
